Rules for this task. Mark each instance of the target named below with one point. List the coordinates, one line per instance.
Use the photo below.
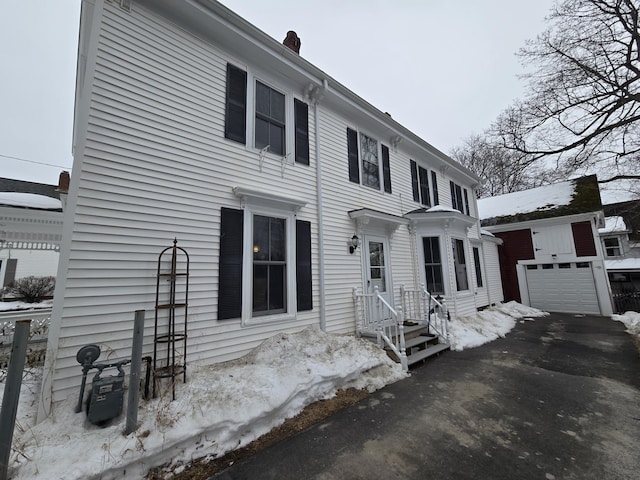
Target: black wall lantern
(353, 243)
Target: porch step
(419, 340)
(426, 353)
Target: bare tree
(501, 170)
(582, 108)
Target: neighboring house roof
(614, 224)
(12, 185)
(29, 200)
(580, 195)
(623, 264)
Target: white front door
(377, 266)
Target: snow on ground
(17, 305)
(631, 321)
(221, 407)
(488, 325)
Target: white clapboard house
(298, 202)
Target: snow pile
(489, 324)
(19, 305)
(631, 321)
(221, 408)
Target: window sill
(267, 319)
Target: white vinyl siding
(156, 167)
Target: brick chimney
(292, 41)
(63, 182)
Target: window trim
(442, 264)
(356, 161)
(612, 247)
(292, 129)
(250, 210)
(421, 184)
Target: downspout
(316, 94)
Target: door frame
(366, 267)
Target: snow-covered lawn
(221, 407)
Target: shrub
(33, 289)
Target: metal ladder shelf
(170, 326)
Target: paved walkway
(558, 398)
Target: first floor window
(269, 265)
(476, 263)
(460, 264)
(433, 265)
(265, 265)
(612, 247)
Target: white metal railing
(420, 306)
(374, 316)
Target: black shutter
(424, 186)
(352, 148)
(304, 291)
(434, 187)
(386, 169)
(235, 126)
(466, 201)
(230, 266)
(302, 132)
(454, 203)
(414, 181)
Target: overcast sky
(444, 69)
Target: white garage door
(563, 287)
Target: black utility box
(106, 399)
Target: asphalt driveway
(558, 398)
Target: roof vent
(292, 41)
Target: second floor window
(368, 161)
(612, 247)
(270, 119)
(459, 198)
(420, 184)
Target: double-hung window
(459, 198)
(612, 247)
(433, 265)
(420, 185)
(265, 270)
(269, 265)
(368, 161)
(265, 123)
(270, 119)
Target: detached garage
(562, 287)
(551, 257)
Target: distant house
(552, 257)
(298, 202)
(30, 229)
(621, 244)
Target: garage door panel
(568, 289)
